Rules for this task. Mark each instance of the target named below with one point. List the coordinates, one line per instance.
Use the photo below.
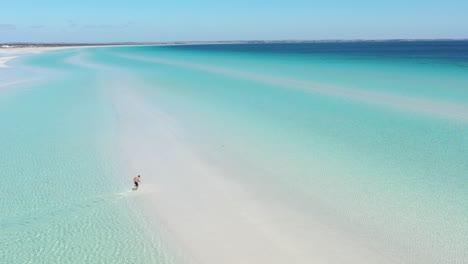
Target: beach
(7, 54)
(4, 60)
(246, 156)
(210, 217)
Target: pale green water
(393, 173)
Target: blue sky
(154, 20)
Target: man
(136, 180)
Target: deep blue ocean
(448, 50)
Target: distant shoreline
(9, 51)
(8, 45)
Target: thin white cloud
(99, 26)
(107, 26)
(37, 26)
(71, 24)
(5, 27)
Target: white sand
(210, 218)
(4, 60)
(7, 54)
(20, 51)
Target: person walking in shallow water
(136, 181)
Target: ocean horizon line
(253, 41)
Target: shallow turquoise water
(394, 174)
(60, 200)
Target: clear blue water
(374, 132)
